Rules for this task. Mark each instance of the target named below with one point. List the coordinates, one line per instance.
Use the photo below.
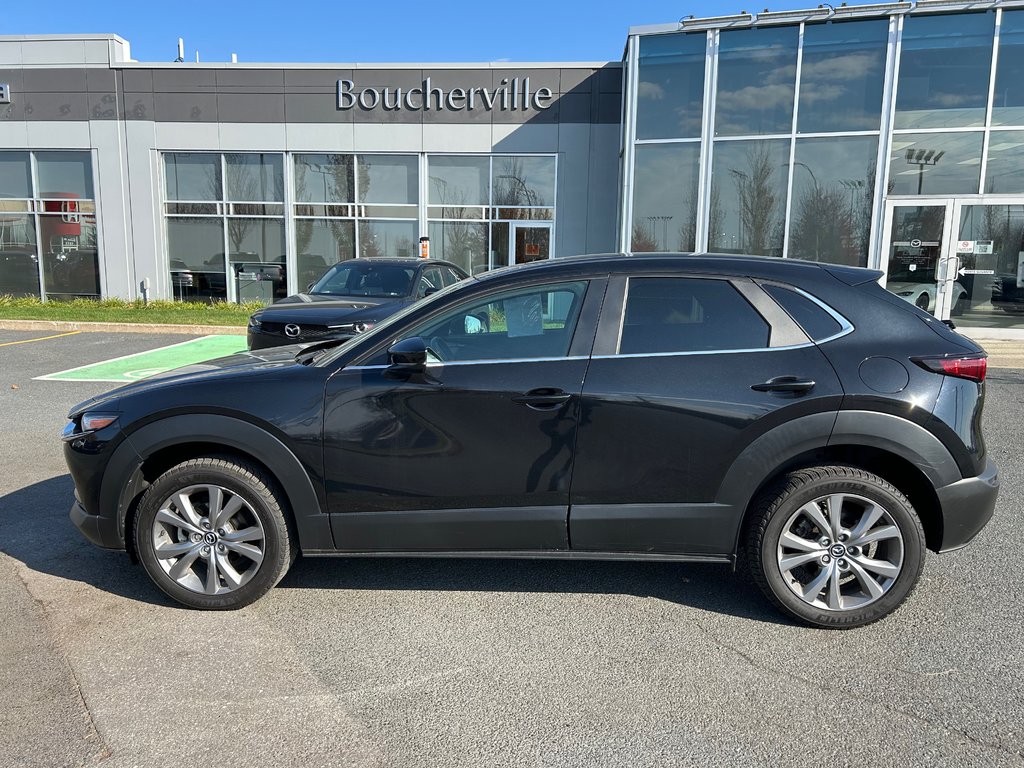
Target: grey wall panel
(10, 52)
(13, 111)
(577, 80)
(460, 78)
(137, 79)
(143, 193)
(101, 80)
(110, 172)
(185, 80)
(539, 78)
(56, 106)
(611, 79)
(320, 79)
(603, 189)
(138, 106)
(246, 108)
(359, 115)
(242, 137)
(185, 107)
(54, 80)
(460, 137)
(314, 108)
(13, 133)
(271, 80)
(386, 78)
(573, 182)
(575, 108)
(103, 106)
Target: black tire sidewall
(875, 490)
(237, 479)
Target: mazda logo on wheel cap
(292, 330)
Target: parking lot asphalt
(447, 662)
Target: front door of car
(475, 451)
(686, 372)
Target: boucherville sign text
(509, 95)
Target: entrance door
(988, 285)
(920, 262)
(530, 242)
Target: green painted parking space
(141, 365)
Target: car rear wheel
(211, 533)
(835, 546)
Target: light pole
(663, 220)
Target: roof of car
(718, 263)
(403, 260)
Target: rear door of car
(687, 370)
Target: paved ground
(429, 663)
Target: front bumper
(101, 531)
(967, 505)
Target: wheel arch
(897, 450)
(159, 445)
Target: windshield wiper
(312, 353)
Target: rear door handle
(784, 384)
(542, 399)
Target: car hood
(329, 311)
(256, 363)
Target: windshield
(362, 278)
(384, 327)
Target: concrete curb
(69, 325)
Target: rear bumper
(101, 531)
(967, 505)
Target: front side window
(674, 315)
(526, 323)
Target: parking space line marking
(59, 375)
(41, 338)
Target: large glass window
(842, 76)
(321, 243)
(1004, 172)
(225, 226)
(665, 193)
(748, 197)
(935, 163)
(473, 201)
(670, 87)
(48, 238)
(756, 80)
(945, 65)
(324, 178)
(1008, 104)
(833, 193)
(669, 314)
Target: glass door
(988, 287)
(918, 255)
(530, 242)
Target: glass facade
(238, 230)
(844, 135)
(48, 237)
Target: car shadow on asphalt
(35, 529)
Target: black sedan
(349, 299)
(789, 416)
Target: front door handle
(784, 384)
(542, 399)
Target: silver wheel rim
(208, 539)
(840, 552)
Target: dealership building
(887, 135)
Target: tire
(250, 542)
(886, 550)
(959, 305)
(923, 302)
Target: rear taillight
(971, 367)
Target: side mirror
(408, 356)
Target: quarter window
(816, 322)
(526, 323)
(668, 314)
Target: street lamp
(922, 158)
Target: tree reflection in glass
(749, 178)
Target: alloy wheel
(208, 539)
(840, 552)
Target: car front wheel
(835, 546)
(211, 533)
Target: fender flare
(123, 479)
(894, 434)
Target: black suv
(350, 298)
(790, 416)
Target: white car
(922, 295)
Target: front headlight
(904, 293)
(93, 421)
(255, 321)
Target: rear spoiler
(853, 275)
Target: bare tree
(760, 201)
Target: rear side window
(816, 322)
(670, 314)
